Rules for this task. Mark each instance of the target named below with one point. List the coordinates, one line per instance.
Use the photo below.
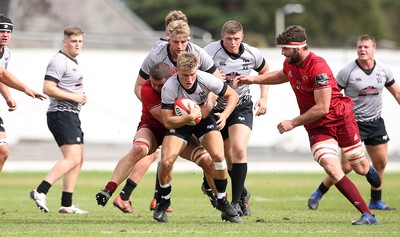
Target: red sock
(350, 191)
(111, 186)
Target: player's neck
(366, 64)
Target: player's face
(73, 45)
(5, 36)
(178, 45)
(187, 78)
(157, 84)
(292, 55)
(365, 50)
(232, 42)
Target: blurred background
(119, 35)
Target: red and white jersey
(315, 74)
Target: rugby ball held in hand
(181, 107)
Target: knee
(207, 165)
(239, 153)
(138, 152)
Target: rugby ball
(181, 107)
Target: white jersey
(205, 83)
(365, 88)
(5, 57)
(160, 53)
(249, 58)
(64, 71)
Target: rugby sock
(127, 190)
(350, 191)
(164, 191)
(221, 184)
(157, 186)
(66, 199)
(322, 188)
(43, 187)
(205, 183)
(376, 195)
(111, 186)
(238, 176)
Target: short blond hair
(73, 30)
(232, 27)
(178, 28)
(175, 15)
(187, 61)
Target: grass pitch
(278, 204)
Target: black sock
(157, 185)
(221, 184)
(43, 187)
(238, 177)
(127, 190)
(205, 183)
(66, 199)
(322, 188)
(376, 195)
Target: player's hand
(35, 94)
(12, 104)
(195, 111)
(243, 80)
(285, 126)
(221, 122)
(261, 106)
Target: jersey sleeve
(55, 71)
(150, 98)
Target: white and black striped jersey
(64, 71)
(365, 88)
(160, 53)
(205, 83)
(249, 58)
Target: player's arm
(269, 78)
(322, 98)
(156, 113)
(261, 104)
(174, 121)
(11, 81)
(138, 86)
(5, 92)
(394, 89)
(51, 89)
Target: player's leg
(122, 201)
(213, 143)
(4, 150)
(239, 135)
(74, 153)
(325, 155)
(378, 155)
(143, 143)
(172, 146)
(194, 152)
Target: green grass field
(278, 204)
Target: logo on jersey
(321, 79)
(210, 127)
(385, 138)
(222, 63)
(240, 118)
(355, 137)
(369, 91)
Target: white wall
(113, 112)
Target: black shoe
(102, 197)
(160, 213)
(244, 204)
(238, 208)
(210, 195)
(373, 177)
(233, 219)
(224, 206)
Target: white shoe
(72, 210)
(40, 199)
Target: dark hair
(292, 34)
(367, 37)
(73, 30)
(160, 71)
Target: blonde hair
(175, 15)
(232, 27)
(73, 30)
(187, 61)
(178, 28)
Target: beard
(295, 58)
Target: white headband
(294, 45)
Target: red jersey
(315, 74)
(150, 100)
